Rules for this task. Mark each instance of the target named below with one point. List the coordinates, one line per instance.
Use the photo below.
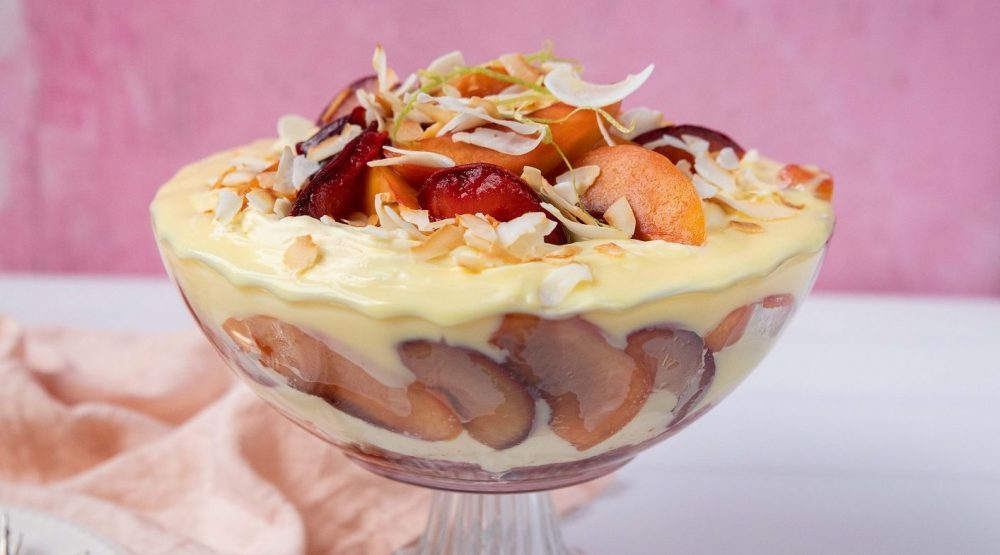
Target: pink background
(100, 101)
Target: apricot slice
(593, 389)
(494, 407)
(575, 136)
(312, 367)
(477, 84)
(794, 175)
(663, 199)
(382, 179)
(764, 318)
(678, 360)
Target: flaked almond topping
(560, 282)
(610, 249)
(746, 227)
(302, 254)
(439, 243)
(282, 207)
(261, 200)
(228, 205)
(620, 215)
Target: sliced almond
(302, 254)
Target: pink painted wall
(100, 101)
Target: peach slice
(593, 389)
(382, 179)
(494, 407)
(679, 361)
(765, 318)
(663, 199)
(575, 137)
(310, 366)
(794, 175)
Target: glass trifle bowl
(499, 312)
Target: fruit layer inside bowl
(493, 265)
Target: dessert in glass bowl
(491, 278)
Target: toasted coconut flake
(423, 158)
(302, 254)
(715, 216)
(357, 219)
(567, 191)
(283, 175)
(282, 207)
(228, 205)
(533, 177)
(334, 144)
(583, 232)
(581, 177)
(386, 77)
(451, 90)
(390, 220)
(439, 243)
(471, 260)
(685, 167)
(704, 188)
(261, 200)
(560, 282)
(432, 131)
(373, 111)
(505, 142)
(562, 255)
(517, 66)
(419, 218)
(728, 159)
(302, 169)
(565, 84)
(714, 173)
(696, 145)
(668, 140)
(409, 130)
(294, 129)
(524, 236)
(446, 63)
(620, 215)
(479, 233)
(760, 210)
(639, 120)
(610, 249)
(746, 227)
(237, 178)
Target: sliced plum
(346, 100)
(312, 367)
(592, 388)
(495, 408)
(481, 188)
(716, 141)
(336, 190)
(679, 361)
(764, 318)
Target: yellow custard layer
(378, 276)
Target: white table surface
(873, 427)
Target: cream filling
(366, 294)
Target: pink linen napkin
(148, 440)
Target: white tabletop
(874, 427)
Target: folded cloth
(148, 440)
